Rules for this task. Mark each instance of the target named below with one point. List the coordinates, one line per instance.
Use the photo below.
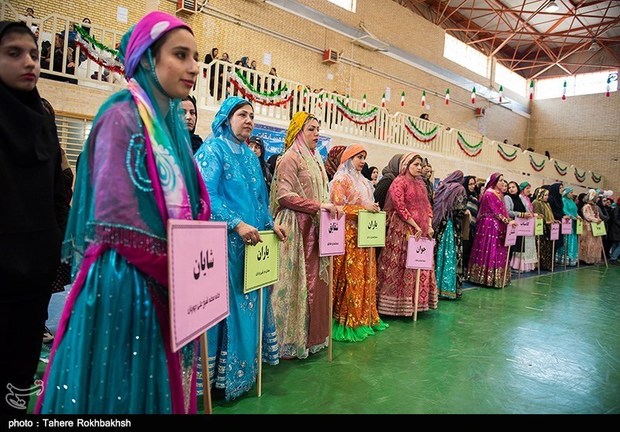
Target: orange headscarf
(351, 151)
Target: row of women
(112, 351)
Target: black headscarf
(517, 204)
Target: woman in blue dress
(112, 352)
(233, 176)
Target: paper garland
(471, 150)
(278, 97)
(418, 134)
(505, 155)
(537, 166)
(559, 169)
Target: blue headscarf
(221, 124)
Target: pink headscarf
(144, 34)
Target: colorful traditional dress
(487, 262)
(590, 247)
(545, 250)
(570, 240)
(301, 296)
(527, 260)
(355, 272)
(238, 193)
(395, 282)
(448, 212)
(112, 349)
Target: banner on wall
(273, 139)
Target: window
(580, 84)
(466, 56)
(72, 133)
(345, 4)
(510, 80)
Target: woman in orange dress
(355, 273)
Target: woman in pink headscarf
(112, 353)
(487, 262)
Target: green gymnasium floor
(543, 345)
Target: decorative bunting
(501, 93)
(473, 95)
(505, 155)
(420, 135)
(596, 179)
(278, 97)
(564, 90)
(402, 99)
(447, 96)
(346, 100)
(423, 101)
(305, 99)
(559, 169)
(364, 101)
(471, 150)
(537, 166)
(531, 89)
(96, 51)
(360, 118)
(580, 177)
(383, 101)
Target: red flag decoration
(383, 101)
(531, 89)
(608, 90)
(447, 96)
(423, 101)
(346, 100)
(501, 93)
(402, 99)
(564, 90)
(364, 101)
(305, 95)
(473, 95)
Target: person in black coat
(191, 119)
(33, 217)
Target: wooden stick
(259, 378)
(522, 255)
(330, 342)
(538, 254)
(206, 382)
(604, 256)
(506, 267)
(416, 295)
(565, 250)
(552, 256)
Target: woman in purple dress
(487, 262)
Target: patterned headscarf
(295, 126)
(445, 196)
(492, 181)
(144, 34)
(220, 124)
(333, 160)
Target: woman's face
(527, 190)
(215, 52)
(471, 185)
(374, 174)
(176, 63)
(513, 189)
(19, 62)
(256, 149)
(545, 196)
(189, 113)
(242, 122)
(502, 185)
(310, 133)
(415, 168)
(359, 160)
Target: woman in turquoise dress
(234, 178)
(112, 352)
(571, 240)
(448, 212)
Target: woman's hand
(372, 207)
(513, 223)
(280, 232)
(431, 232)
(248, 233)
(333, 209)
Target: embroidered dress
(590, 247)
(395, 282)
(238, 193)
(112, 351)
(488, 254)
(571, 240)
(301, 296)
(355, 273)
(528, 259)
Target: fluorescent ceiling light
(551, 7)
